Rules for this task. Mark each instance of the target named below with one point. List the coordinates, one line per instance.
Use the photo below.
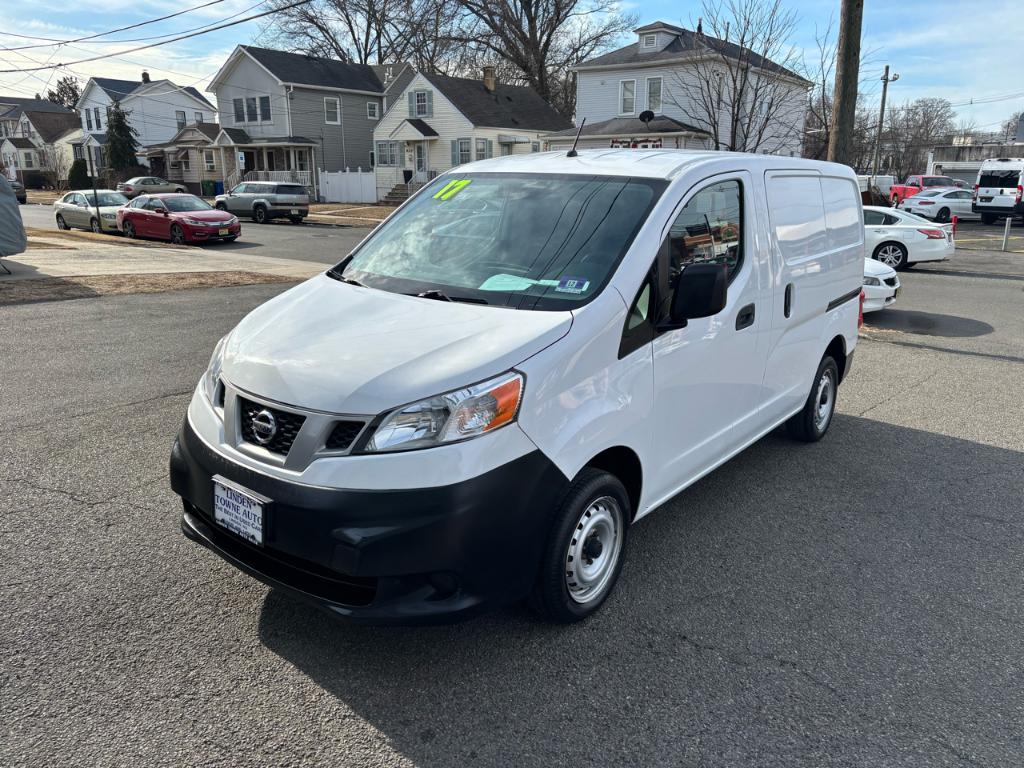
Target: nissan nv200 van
(531, 354)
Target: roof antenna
(572, 152)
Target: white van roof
(1002, 161)
(647, 163)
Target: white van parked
(531, 354)
(999, 191)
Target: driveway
(857, 602)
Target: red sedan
(178, 218)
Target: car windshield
(106, 198)
(547, 242)
(185, 203)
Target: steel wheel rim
(95, 226)
(825, 400)
(177, 236)
(594, 550)
(890, 255)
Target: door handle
(745, 317)
(788, 302)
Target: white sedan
(881, 285)
(941, 204)
(899, 239)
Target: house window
(627, 97)
(654, 94)
(185, 162)
(300, 160)
(251, 116)
(198, 116)
(535, 146)
(387, 153)
(264, 109)
(239, 106)
(208, 159)
(465, 151)
(332, 110)
(650, 41)
(481, 149)
(179, 118)
(421, 104)
(28, 159)
(96, 118)
(88, 120)
(76, 150)
(372, 110)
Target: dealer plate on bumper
(240, 510)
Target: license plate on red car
(222, 232)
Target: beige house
(189, 157)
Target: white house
(39, 136)
(439, 122)
(157, 110)
(660, 72)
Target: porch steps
(400, 193)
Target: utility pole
(881, 120)
(840, 145)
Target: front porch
(288, 159)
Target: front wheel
(220, 207)
(259, 214)
(177, 235)
(584, 552)
(811, 424)
(94, 225)
(129, 230)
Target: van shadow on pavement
(857, 601)
(927, 323)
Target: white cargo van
(999, 191)
(475, 405)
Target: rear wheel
(584, 552)
(177, 235)
(129, 230)
(811, 424)
(61, 224)
(891, 254)
(988, 218)
(942, 216)
(259, 214)
(295, 219)
(220, 207)
(181, 190)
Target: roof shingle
(508, 106)
(314, 70)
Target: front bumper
(878, 297)
(208, 234)
(404, 556)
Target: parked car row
(998, 194)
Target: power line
(164, 42)
(53, 40)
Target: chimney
(145, 76)
(490, 80)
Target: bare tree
(55, 165)
(1008, 130)
(911, 129)
(742, 87)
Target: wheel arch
(625, 464)
(837, 350)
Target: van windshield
(546, 242)
(999, 179)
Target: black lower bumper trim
(403, 556)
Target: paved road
(282, 240)
(858, 602)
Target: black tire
(296, 219)
(810, 425)
(129, 230)
(988, 218)
(94, 225)
(220, 207)
(882, 252)
(180, 190)
(177, 235)
(580, 511)
(61, 224)
(259, 214)
(942, 217)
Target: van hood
(330, 346)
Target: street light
(886, 79)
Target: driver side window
(709, 230)
(154, 205)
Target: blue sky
(939, 47)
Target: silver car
(79, 209)
(266, 200)
(148, 185)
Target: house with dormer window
(440, 122)
(658, 77)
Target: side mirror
(701, 291)
(164, 212)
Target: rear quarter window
(291, 189)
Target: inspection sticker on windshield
(452, 188)
(572, 285)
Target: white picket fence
(347, 186)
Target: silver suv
(266, 200)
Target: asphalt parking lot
(858, 602)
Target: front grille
(288, 426)
(891, 282)
(342, 435)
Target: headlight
(211, 379)
(199, 222)
(451, 417)
(108, 216)
(872, 281)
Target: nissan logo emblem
(264, 427)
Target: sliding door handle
(745, 317)
(787, 308)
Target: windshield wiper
(439, 295)
(337, 275)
